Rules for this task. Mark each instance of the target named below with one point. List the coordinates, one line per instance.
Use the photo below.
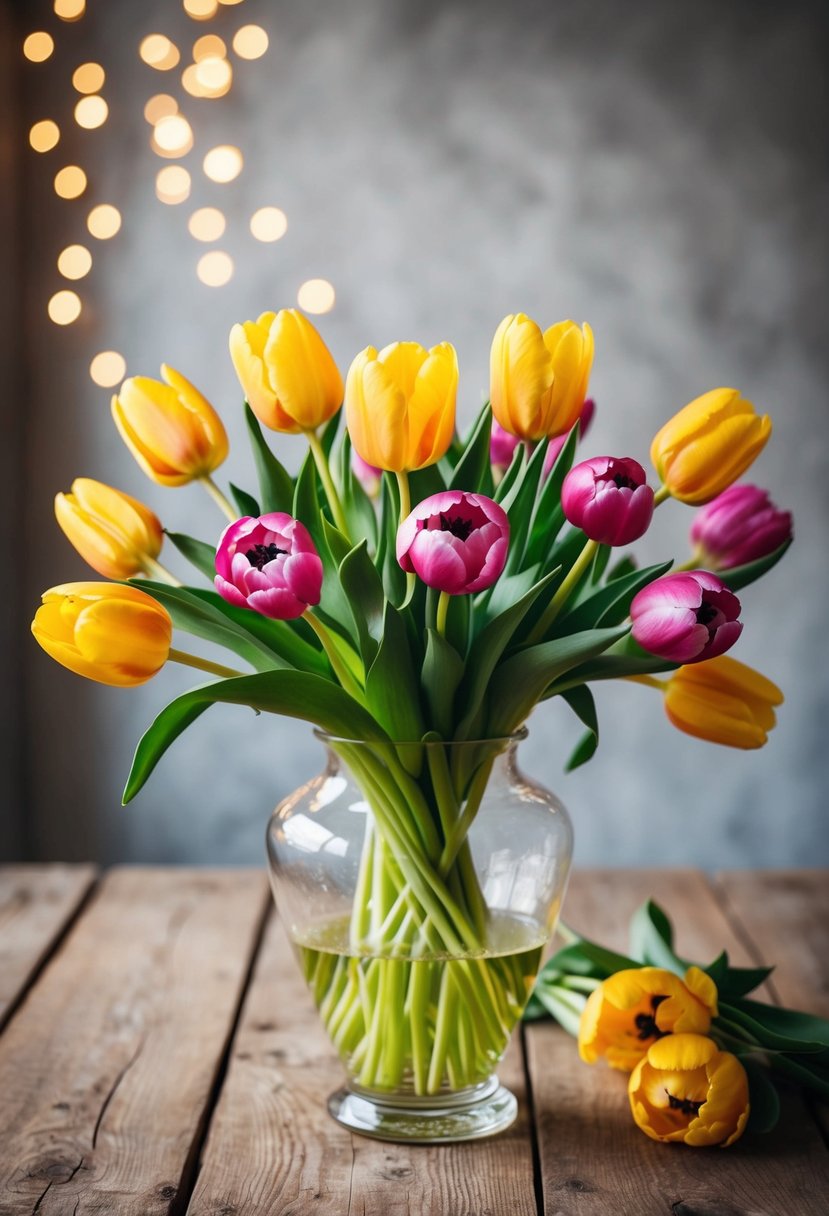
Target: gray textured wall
(656, 169)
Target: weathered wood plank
(36, 904)
(106, 1072)
(273, 1150)
(594, 1160)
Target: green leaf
(329, 433)
(504, 487)
(246, 503)
(440, 675)
(198, 552)
(394, 580)
(563, 1004)
(611, 604)
(763, 1097)
(585, 957)
(358, 507)
(392, 687)
(296, 694)
(763, 1022)
(600, 561)
(204, 620)
(584, 750)
(363, 589)
(292, 641)
(519, 504)
(580, 700)
(276, 489)
(625, 565)
(548, 516)
(473, 471)
(741, 576)
(738, 981)
(651, 939)
(800, 1027)
(804, 1072)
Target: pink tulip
(686, 617)
(268, 564)
(738, 526)
(455, 542)
(502, 446)
(555, 445)
(367, 474)
(608, 498)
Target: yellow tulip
(538, 381)
(400, 404)
(171, 429)
(708, 445)
(635, 1008)
(108, 632)
(117, 535)
(722, 701)
(288, 374)
(687, 1090)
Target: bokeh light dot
(250, 42)
(268, 224)
(172, 185)
(44, 135)
(201, 10)
(214, 76)
(108, 368)
(64, 307)
(89, 78)
(172, 136)
(38, 46)
(104, 221)
(75, 262)
(316, 296)
(215, 268)
(161, 105)
(206, 224)
(91, 112)
(229, 3)
(209, 46)
(70, 182)
(223, 163)
(159, 52)
(70, 10)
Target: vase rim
(517, 736)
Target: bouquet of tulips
(409, 586)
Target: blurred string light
(206, 224)
(172, 185)
(162, 105)
(75, 262)
(223, 163)
(104, 221)
(159, 52)
(268, 224)
(201, 10)
(64, 307)
(215, 268)
(70, 10)
(250, 42)
(70, 182)
(38, 46)
(316, 296)
(89, 78)
(172, 136)
(209, 46)
(229, 3)
(44, 135)
(108, 368)
(214, 76)
(91, 112)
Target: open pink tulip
(738, 526)
(555, 445)
(455, 542)
(608, 498)
(269, 564)
(686, 617)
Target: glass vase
(419, 884)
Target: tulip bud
(608, 499)
(502, 447)
(538, 381)
(723, 701)
(117, 535)
(708, 445)
(588, 411)
(455, 542)
(367, 474)
(286, 371)
(686, 1090)
(171, 429)
(739, 526)
(633, 1008)
(400, 404)
(108, 632)
(686, 617)
(269, 564)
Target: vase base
(482, 1110)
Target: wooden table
(159, 1054)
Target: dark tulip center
(260, 555)
(706, 613)
(624, 483)
(458, 527)
(646, 1022)
(685, 1105)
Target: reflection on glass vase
(419, 884)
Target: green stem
(405, 510)
(222, 502)
(443, 608)
(154, 569)
(561, 596)
(661, 494)
(340, 669)
(324, 470)
(648, 681)
(214, 669)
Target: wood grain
(106, 1074)
(36, 904)
(273, 1150)
(594, 1160)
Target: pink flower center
(707, 614)
(260, 555)
(458, 527)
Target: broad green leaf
(276, 489)
(292, 641)
(804, 1071)
(246, 504)
(763, 1097)
(504, 487)
(334, 608)
(580, 700)
(198, 552)
(625, 565)
(763, 1023)
(394, 580)
(358, 507)
(473, 471)
(363, 588)
(518, 505)
(789, 1022)
(741, 576)
(441, 673)
(585, 957)
(392, 687)
(548, 516)
(563, 1004)
(735, 981)
(329, 432)
(651, 939)
(296, 694)
(611, 604)
(584, 751)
